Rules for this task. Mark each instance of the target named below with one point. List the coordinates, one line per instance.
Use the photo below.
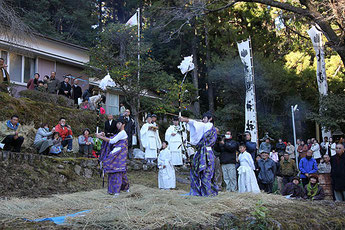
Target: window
(15, 67)
(4, 55)
(29, 68)
(112, 104)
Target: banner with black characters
(244, 49)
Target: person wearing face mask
(228, 148)
(313, 190)
(42, 143)
(65, 133)
(307, 166)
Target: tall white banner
(321, 77)
(244, 48)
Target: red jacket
(31, 85)
(63, 132)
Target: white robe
(175, 144)
(166, 176)
(150, 140)
(246, 177)
(197, 130)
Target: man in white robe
(174, 138)
(150, 140)
(166, 174)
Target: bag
(134, 140)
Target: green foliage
(261, 221)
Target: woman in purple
(113, 159)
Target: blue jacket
(307, 166)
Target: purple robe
(114, 164)
(202, 170)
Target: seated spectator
(41, 87)
(293, 189)
(65, 133)
(33, 82)
(86, 143)
(57, 145)
(313, 190)
(42, 141)
(9, 135)
(85, 104)
(325, 165)
(65, 88)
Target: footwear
(69, 150)
(127, 190)
(116, 195)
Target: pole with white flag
(245, 51)
(321, 77)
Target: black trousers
(12, 144)
(305, 181)
(287, 179)
(266, 187)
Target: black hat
(175, 118)
(122, 120)
(154, 115)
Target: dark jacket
(32, 84)
(338, 172)
(109, 130)
(130, 129)
(87, 94)
(320, 194)
(267, 171)
(251, 148)
(293, 190)
(307, 166)
(65, 87)
(228, 151)
(76, 93)
(280, 147)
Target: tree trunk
(195, 71)
(210, 93)
(100, 14)
(135, 105)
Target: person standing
(250, 145)
(267, 172)
(53, 83)
(290, 149)
(110, 126)
(316, 150)
(113, 157)
(88, 93)
(150, 140)
(9, 135)
(265, 146)
(280, 147)
(288, 169)
(166, 174)
(331, 147)
(246, 177)
(4, 76)
(174, 138)
(324, 146)
(203, 135)
(33, 82)
(228, 148)
(307, 166)
(130, 130)
(65, 88)
(338, 173)
(65, 133)
(76, 92)
(122, 109)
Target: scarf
(10, 125)
(312, 191)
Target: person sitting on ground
(85, 105)
(313, 190)
(9, 135)
(293, 189)
(41, 87)
(166, 174)
(33, 82)
(325, 164)
(42, 141)
(65, 133)
(85, 143)
(267, 172)
(57, 146)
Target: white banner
(133, 21)
(321, 77)
(250, 105)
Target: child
(166, 174)
(57, 147)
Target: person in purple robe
(203, 135)
(113, 159)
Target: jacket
(338, 172)
(31, 84)
(110, 130)
(288, 168)
(293, 190)
(42, 134)
(65, 87)
(53, 85)
(76, 92)
(251, 148)
(130, 129)
(316, 151)
(228, 151)
(87, 94)
(6, 131)
(307, 166)
(7, 76)
(63, 131)
(267, 171)
(320, 194)
(82, 140)
(265, 147)
(280, 147)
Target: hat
(175, 118)
(121, 120)
(154, 115)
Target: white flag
(186, 65)
(107, 81)
(133, 21)
(250, 105)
